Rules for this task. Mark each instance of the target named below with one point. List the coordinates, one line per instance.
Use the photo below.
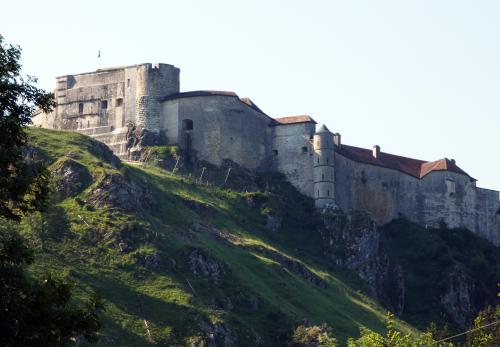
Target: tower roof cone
(323, 129)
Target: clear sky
(419, 78)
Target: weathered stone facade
(214, 126)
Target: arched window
(187, 124)
(80, 108)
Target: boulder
(116, 191)
(70, 177)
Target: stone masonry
(217, 125)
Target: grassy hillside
(190, 259)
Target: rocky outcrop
(70, 177)
(202, 264)
(216, 334)
(137, 139)
(354, 242)
(273, 222)
(457, 299)
(116, 191)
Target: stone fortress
(215, 125)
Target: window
(304, 149)
(275, 152)
(327, 159)
(118, 102)
(187, 124)
(322, 177)
(104, 104)
(450, 187)
(128, 82)
(328, 192)
(88, 124)
(80, 108)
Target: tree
(317, 336)
(485, 332)
(393, 338)
(38, 312)
(32, 312)
(23, 185)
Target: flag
(99, 54)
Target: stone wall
(292, 154)
(222, 127)
(153, 82)
(440, 196)
(101, 103)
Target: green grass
(90, 257)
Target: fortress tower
(153, 82)
(323, 168)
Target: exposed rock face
(273, 223)
(138, 138)
(457, 299)
(354, 242)
(116, 191)
(70, 177)
(204, 265)
(151, 261)
(214, 335)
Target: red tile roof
(413, 167)
(293, 120)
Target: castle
(215, 125)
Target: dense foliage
(429, 257)
(33, 311)
(22, 183)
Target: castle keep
(214, 126)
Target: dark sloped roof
(293, 120)
(413, 167)
(195, 93)
(250, 103)
(323, 129)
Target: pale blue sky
(418, 78)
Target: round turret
(323, 168)
(153, 83)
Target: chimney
(452, 161)
(376, 151)
(336, 139)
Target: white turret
(324, 172)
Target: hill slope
(178, 261)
